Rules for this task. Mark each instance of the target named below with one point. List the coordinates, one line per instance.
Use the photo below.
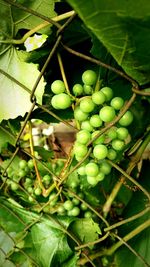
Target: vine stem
(112, 249)
(38, 27)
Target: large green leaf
(15, 100)
(6, 136)
(123, 28)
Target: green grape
(117, 144)
(105, 167)
(98, 97)
(31, 164)
(30, 189)
(53, 198)
(61, 210)
(100, 151)
(81, 170)
(73, 184)
(88, 214)
(95, 121)
(28, 181)
(75, 201)
(83, 206)
(126, 119)
(100, 176)
(88, 90)
(21, 173)
(83, 136)
(111, 154)
(61, 101)
(14, 186)
(80, 115)
(68, 205)
(107, 114)
(117, 103)
(112, 133)
(80, 150)
(108, 92)
(37, 191)
(58, 87)
(87, 105)
(78, 89)
(122, 133)
(92, 180)
(31, 199)
(47, 179)
(89, 77)
(100, 139)
(91, 169)
(22, 164)
(85, 125)
(74, 212)
(81, 195)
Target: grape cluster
(94, 109)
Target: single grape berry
(89, 77)
(107, 114)
(61, 101)
(105, 167)
(100, 139)
(88, 214)
(117, 103)
(92, 180)
(95, 121)
(31, 164)
(91, 169)
(37, 191)
(100, 151)
(81, 170)
(100, 176)
(75, 201)
(117, 144)
(83, 136)
(22, 164)
(85, 125)
(83, 206)
(78, 89)
(112, 154)
(58, 87)
(80, 115)
(108, 92)
(74, 212)
(68, 205)
(80, 150)
(98, 98)
(87, 105)
(88, 90)
(126, 119)
(122, 133)
(112, 133)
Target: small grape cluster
(94, 109)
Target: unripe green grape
(112, 133)
(58, 87)
(68, 205)
(81, 170)
(37, 191)
(22, 173)
(83, 136)
(111, 154)
(105, 167)
(31, 199)
(117, 103)
(88, 90)
(89, 77)
(117, 144)
(80, 150)
(47, 179)
(85, 125)
(126, 119)
(100, 151)
(107, 114)
(108, 92)
(78, 89)
(100, 176)
(14, 186)
(74, 212)
(80, 115)
(100, 139)
(31, 164)
(75, 201)
(73, 184)
(61, 210)
(95, 121)
(28, 181)
(30, 189)
(87, 105)
(98, 97)
(78, 158)
(81, 195)
(83, 206)
(91, 169)
(53, 198)
(88, 214)
(22, 164)
(61, 101)
(92, 180)
(122, 133)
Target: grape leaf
(123, 28)
(5, 137)
(86, 229)
(15, 100)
